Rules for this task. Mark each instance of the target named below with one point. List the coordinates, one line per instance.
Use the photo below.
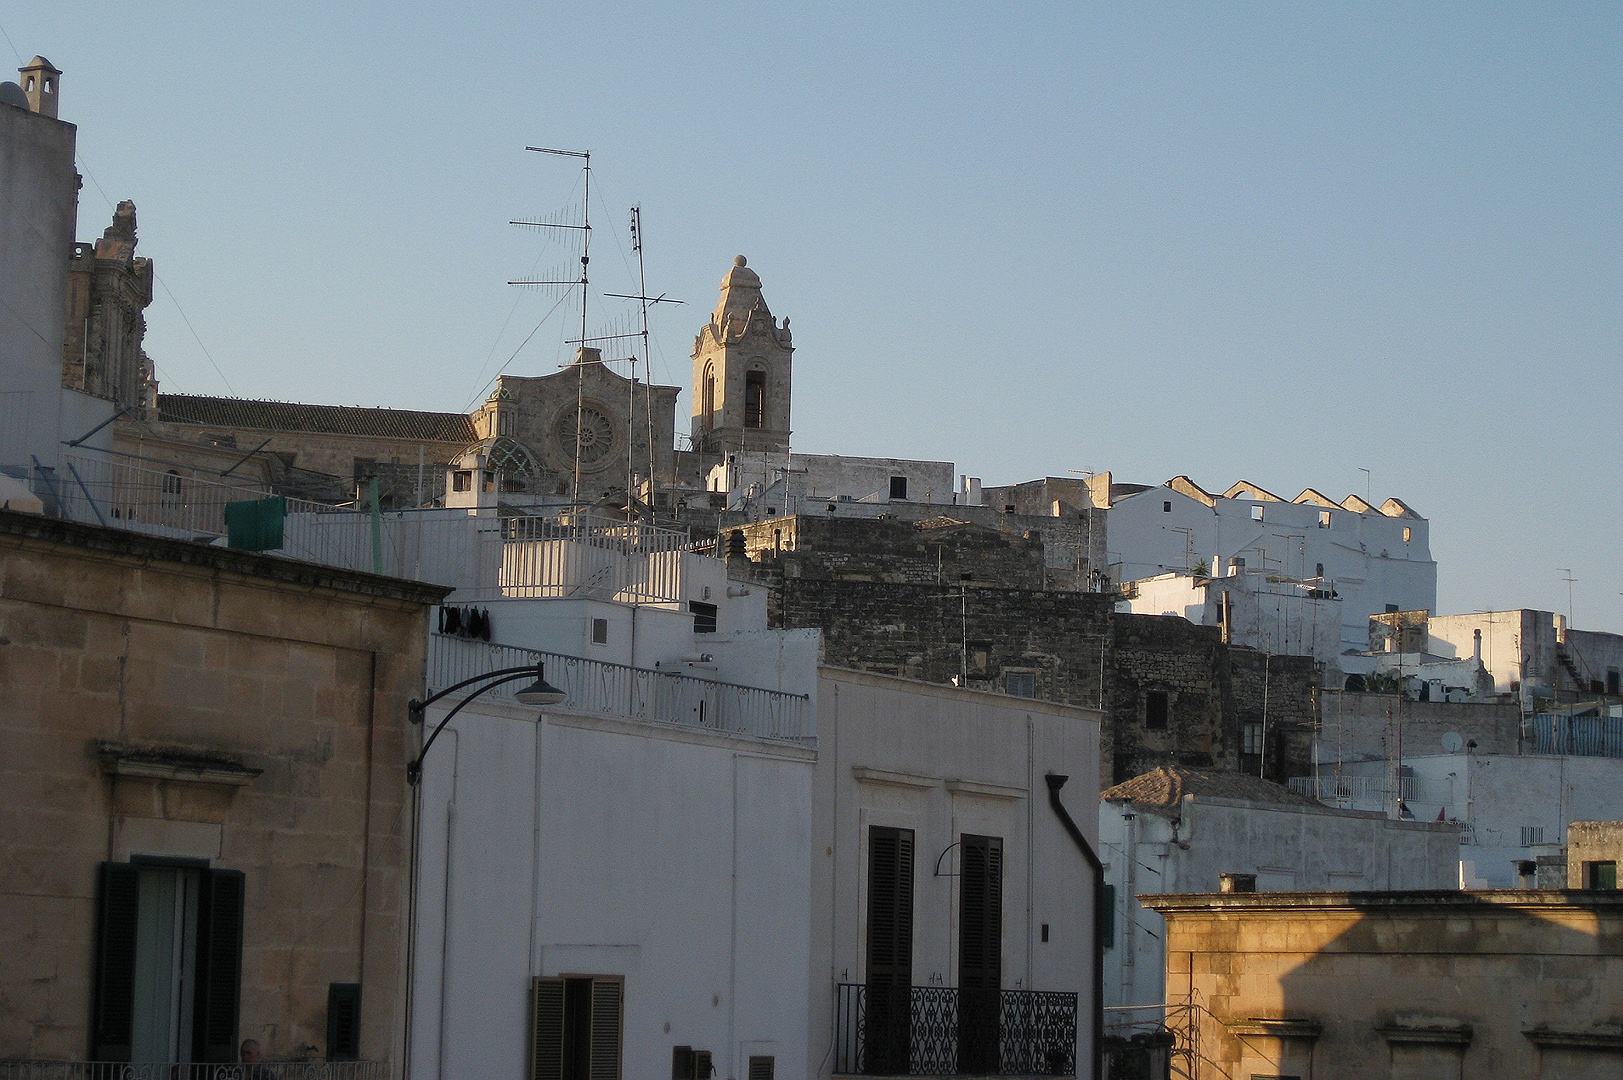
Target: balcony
(948, 1031)
(604, 689)
(123, 1070)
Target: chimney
(41, 84)
(1476, 646)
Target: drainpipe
(1055, 782)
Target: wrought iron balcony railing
(952, 1031)
(124, 1070)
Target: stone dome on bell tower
(741, 371)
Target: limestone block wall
(175, 701)
(1414, 984)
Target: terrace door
(887, 1030)
(980, 952)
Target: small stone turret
(42, 84)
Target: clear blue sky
(1279, 242)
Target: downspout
(1055, 782)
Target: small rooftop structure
(1167, 785)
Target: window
(1600, 875)
(1020, 683)
(1324, 519)
(709, 394)
(171, 482)
(1156, 707)
(1166, 506)
(704, 617)
(506, 421)
(1614, 684)
(462, 480)
(1104, 920)
(1318, 569)
(1251, 739)
(168, 975)
(890, 949)
(1532, 834)
(754, 399)
(343, 1021)
(898, 487)
(1408, 534)
(980, 951)
(1256, 512)
(575, 1027)
(690, 1064)
(600, 631)
(761, 1067)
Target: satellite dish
(12, 94)
(1452, 743)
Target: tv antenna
(585, 229)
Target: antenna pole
(585, 262)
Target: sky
(1281, 242)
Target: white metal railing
(604, 689)
(484, 557)
(1373, 792)
(147, 1070)
(180, 502)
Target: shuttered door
(547, 1029)
(113, 996)
(605, 1046)
(218, 1001)
(887, 1028)
(343, 1021)
(980, 952)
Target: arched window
(709, 394)
(754, 399)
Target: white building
(776, 484)
(1310, 571)
(1177, 830)
(39, 201)
(1532, 652)
(1511, 809)
(622, 886)
(945, 882)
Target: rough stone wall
(1591, 842)
(856, 549)
(301, 672)
(1358, 727)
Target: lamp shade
(540, 692)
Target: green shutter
(547, 1029)
(1104, 919)
(980, 918)
(218, 1000)
(113, 992)
(343, 1021)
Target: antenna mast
(644, 300)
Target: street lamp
(539, 692)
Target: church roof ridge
(331, 419)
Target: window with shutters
(168, 969)
(890, 950)
(575, 1025)
(704, 617)
(762, 1067)
(980, 951)
(343, 1021)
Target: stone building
(948, 601)
(204, 838)
(1412, 985)
(109, 287)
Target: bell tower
(41, 83)
(741, 371)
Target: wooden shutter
(605, 1052)
(218, 1002)
(343, 1021)
(762, 1067)
(890, 906)
(547, 1029)
(113, 995)
(980, 918)
(681, 1063)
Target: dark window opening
(1251, 739)
(1613, 685)
(343, 1021)
(898, 487)
(754, 399)
(600, 631)
(1600, 875)
(704, 617)
(462, 480)
(1156, 708)
(575, 1027)
(1020, 683)
(762, 1067)
(1166, 507)
(1104, 920)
